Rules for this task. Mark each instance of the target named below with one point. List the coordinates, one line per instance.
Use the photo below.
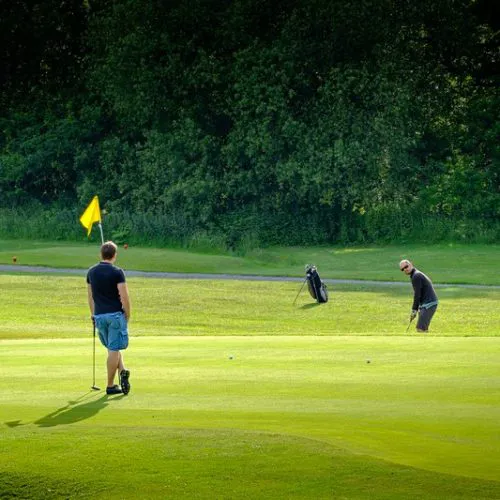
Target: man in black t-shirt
(425, 300)
(109, 304)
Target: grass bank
(468, 264)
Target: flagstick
(102, 235)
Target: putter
(94, 387)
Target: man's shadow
(74, 411)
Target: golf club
(94, 387)
(408, 327)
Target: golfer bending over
(110, 309)
(425, 300)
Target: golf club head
(95, 388)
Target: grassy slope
(444, 263)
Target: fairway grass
(254, 417)
(38, 306)
(237, 393)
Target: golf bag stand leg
(299, 291)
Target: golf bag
(317, 288)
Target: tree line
(253, 121)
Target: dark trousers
(424, 318)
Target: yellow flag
(92, 214)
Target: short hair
(108, 250)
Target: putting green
(254, 417)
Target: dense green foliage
(244, 121)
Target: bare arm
(125, 299)
(90, 298)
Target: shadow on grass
(310, 306)
(74, 411)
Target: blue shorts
(113, 331)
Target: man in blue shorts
(425, 300)
(109, 304)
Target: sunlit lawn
(237, 393)
(38, 306)
(254, 417)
